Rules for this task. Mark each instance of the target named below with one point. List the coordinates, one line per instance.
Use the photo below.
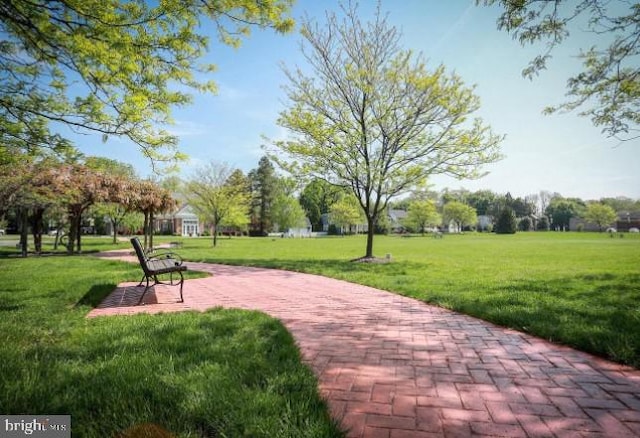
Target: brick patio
(391, 366)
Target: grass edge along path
(218, 373)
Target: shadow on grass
(96, 295)
(596, 313)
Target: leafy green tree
(622, 203)
(608, 88)
(422, 214)
(482, 200)
(525, 224)
(461, 214)
(214, 200)
(600, 214)
(316, 199)
(372, 118)
(111, 66)
(561, 210)
(263, 189)
(345, 212)
(543, 223)
(506, 222)
(286, 211)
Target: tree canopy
(600, 214)
(111, 67)
(608, 88)
(214, 199)
(373, 118)
(461, 214)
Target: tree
(84, 187)
(149, 199)
(507, 222)
(422, 214)
(286, 211)
(345, 212)
(111, 66)
(29, 187)
(561, 210)
(316, 199)
(525, 224)
(461, 214)
(373, 119)
(121, 196)
(263, 186)
(543, 223)
(600, 214)
(608, 88)
(209, 193)
(482, 200)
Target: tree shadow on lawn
(597, 313)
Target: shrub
(543, 224)
(507, 223)
(525, 224)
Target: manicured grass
(579, 289)
(220, 373)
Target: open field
(579, 289)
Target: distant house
(183, 222)
(396, 220)
(484, 222)
(353, 229)
(627, 220)
(578, 223)
(304, 231)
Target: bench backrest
(142, 258)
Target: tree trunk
(371, 221)
(79, 233)
(24, 231)
(114, 224)
(73, 228)
(151, 229)
(36, 229)
(214, 231)
(145, 229)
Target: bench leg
(146, 288)
(181, 284)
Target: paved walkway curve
(394, 367)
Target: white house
(183, 222)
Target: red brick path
(391, 366)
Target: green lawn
(222, 373)
(580, 289)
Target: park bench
(154, 264)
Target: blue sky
(560, 153)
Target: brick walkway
(391, 366)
